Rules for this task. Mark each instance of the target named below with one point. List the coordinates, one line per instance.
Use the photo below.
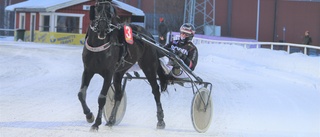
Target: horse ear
(92, 12)
(112, 10)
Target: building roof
(53, 5)
(42, 5)
(129, 8)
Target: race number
(128, 34)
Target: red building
(279, 20)
(62, 21)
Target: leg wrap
(160, 114)
(112, 118)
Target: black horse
(107, 53)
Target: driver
(184, 49)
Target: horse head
(103, 18)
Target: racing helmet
(187, 31)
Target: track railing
(6, 32)
(288, 47)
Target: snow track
(256, 92)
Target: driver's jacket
(187, 48)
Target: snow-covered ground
(256, 93)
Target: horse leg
(102, 100)
(86, 78)
(117, 79)
(152, 78)
(156, 93)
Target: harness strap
(122, 61)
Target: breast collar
(99, 48)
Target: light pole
(258, 18)
(154, 17)
(284, 34)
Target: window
(68, 24)
(46, 23)
(61, 22)
(22, 21)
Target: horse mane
(114, 5)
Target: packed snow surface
(256, 93)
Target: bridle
(101, 22)
(104, 16)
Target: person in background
(162, 31)
(307, 40)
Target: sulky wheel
(201, 110)
(110, 103)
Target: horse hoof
(90, 118)
(109, 124)
(94, 129)
(161, 125)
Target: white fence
(289, 47)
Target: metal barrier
(285, 46)
(6, 32)
(288, 47)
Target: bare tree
(6, 17)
